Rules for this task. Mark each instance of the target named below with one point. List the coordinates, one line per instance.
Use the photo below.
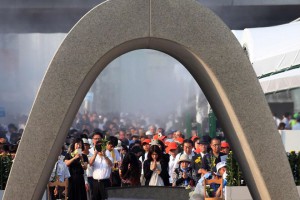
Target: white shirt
(141, 159)
(117, 157)
(89, 170)
(61, 170)
(172, 165)
(101, 170)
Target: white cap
(149, 133)
(85, 141)
(220, 165)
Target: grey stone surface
(166, 193)
(190, 33)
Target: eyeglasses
(216, 145)
(96, 138)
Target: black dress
(76, 188)
(164, 172)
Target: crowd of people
(102, 152)
(120, 152)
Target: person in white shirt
(172, 151)
(187, 149)
(101, 165)
(114, 155)
(146, 147)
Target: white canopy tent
(275, 55)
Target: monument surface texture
(194, 36)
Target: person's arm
(175, 177)
(71, 160)
(108, 161)
(93, 158)
(218, 192)
(147, 171)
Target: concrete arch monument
(195, 37)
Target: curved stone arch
(195, 37)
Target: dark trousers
(99, 189)
(90, 181)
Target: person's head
(77, 143)
(97, 136)
(170, 135)
(215, 145)
(201, 145)
(124, 149)
(188, 146)
(172, 149)
(194, 132)
(221, 168)
(121, 134)
(225, 148)
(184, 161)
(12, 128)
(152, 129)
(281, 126)
(146, 145)
(86, 144)
(177, 134)
(141, 132)
(128, 135)
(134, 137)
(137, 150)
(111, 143)
(154, 153)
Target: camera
(98, 146)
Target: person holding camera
(101, 165)
(77, 163)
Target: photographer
(101, 166)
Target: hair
(155, 149)
(124, 147)
(134, 136)
(195, 140)
(162, 145)
(134, 172)
(215, 138)
(188, 141)
(136, 149)
(83, 135)
(113, 140)
(97, 132)
(76, 140)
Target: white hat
(220, 165)
(154, 142)
(119, 146)
(85, 141)
(149, 133)
(185, 158)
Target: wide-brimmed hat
(184, 158)
(154, 142)
(85, 141)
(220, 165)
